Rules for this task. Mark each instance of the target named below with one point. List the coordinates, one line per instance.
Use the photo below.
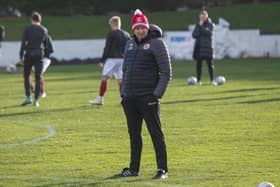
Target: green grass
(263, 16)
(225, 136)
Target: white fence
(64, 50)
(228, 43)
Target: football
(220, 80)
(265, 184)
(192, 80)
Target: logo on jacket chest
(131, 46)
(146, 46)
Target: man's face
(141, 32)
(114, 26)
(203, 17)
(35, 22)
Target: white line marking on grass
(161, 184)
(56, 181)
(51, 132)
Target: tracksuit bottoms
(211, 68)
(136, 110)
(38, 66)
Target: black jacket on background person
(35, 42)
(2, 33)
(147, 66)
(203, 35)
(49, 49)
(115, 44)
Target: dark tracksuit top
(146, 73)
(35, 39)
(115, 44)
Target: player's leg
(46, 63)
(102, 90)
(119, 74)
(38, 72)
(108, 72)
(26, 75)
(32, 87)
(150, 108)
(43, 93)
(211, 70)
(120, 86)
(134, 124)
(199, 70)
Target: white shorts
(46, 63)
(113, 68)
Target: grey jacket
(147, 66)
(203, 35)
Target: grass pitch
(224, 136)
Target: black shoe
(161, 174)
(126, 172)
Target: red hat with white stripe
(139, 19)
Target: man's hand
(101, 64)
(21, 61)
(200, 22)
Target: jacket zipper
(132, 69)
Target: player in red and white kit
(112, 59)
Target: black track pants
(38, 66)
(211, 68)
(136, 109)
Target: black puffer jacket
(203, 35)
(147, 66)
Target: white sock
(100, 98)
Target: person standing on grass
(146, 73)
(46, 63)
(34, 47)
(112, 59)
(203, 48)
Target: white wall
(231, 43)
(64, 49)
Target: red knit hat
(139, 19)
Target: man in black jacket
(112, 58)
(203, 49)
(34, 47)
(146, 73)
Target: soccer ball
(220, 80)
(192, 80)
(11, 68)
(265, 184)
